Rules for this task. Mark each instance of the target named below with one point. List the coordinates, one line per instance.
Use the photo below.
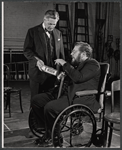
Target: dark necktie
(49, 47)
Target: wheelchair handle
(61, 84)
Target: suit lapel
(56, 37)
(43, 40)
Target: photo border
(1, 55)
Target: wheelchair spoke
(76, 126)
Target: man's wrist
(63, 63)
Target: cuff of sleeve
(66, 67)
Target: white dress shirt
(48, 34)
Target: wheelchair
(76, 126)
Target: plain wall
(20, 16)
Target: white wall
(19, 16)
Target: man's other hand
(40, 64)
(60, 62)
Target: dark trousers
(46, 108)
(36, 87)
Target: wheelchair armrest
(86, 92)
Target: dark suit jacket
(85, 77)
(35, 45)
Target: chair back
(102, 82)
(6, 75)
(115, 86)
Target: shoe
(43, 141)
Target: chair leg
(5, 102)
(106, 133)
(9, 103)
(110, 135)
(20, 101)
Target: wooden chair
(9, 90)
(112, 118)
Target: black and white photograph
(60, 74)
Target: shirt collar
(46, 29)
(43, 25)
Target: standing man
(43, 44)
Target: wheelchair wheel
(34, 125)
(74, 127)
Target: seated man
(82, 74)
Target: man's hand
(40, 64)
(61, 75)
(60, 62)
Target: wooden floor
(15, 129)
